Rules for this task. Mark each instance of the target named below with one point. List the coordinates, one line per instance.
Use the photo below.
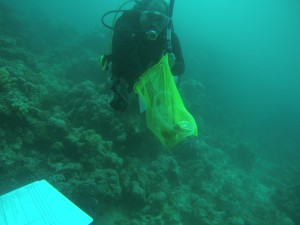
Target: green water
(241, 84)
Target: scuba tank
(105, 59)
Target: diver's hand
(118, 103)
(172, 59)
(121, 95)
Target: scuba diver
(141, 36)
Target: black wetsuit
(133, 53)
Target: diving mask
(153, 22)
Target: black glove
(121, 95)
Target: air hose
(169, 29)
(171, 7)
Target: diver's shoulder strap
(170, 25)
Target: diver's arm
(179, 66)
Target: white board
(39, 203)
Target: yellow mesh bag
(166, 114)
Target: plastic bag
(166, 114)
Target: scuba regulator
(151, 35)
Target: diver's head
(153, 17)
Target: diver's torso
(132, 47)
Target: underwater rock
(81, 143)
(4, 77)
(122, 137)
(139, 184)
(138, 193)
(157, 199)
(190, 149)
(57, 127)
(170, 168)
(111, 159)
(133, 191)
(19, 106)
(286, 221)
(84, 194)
(108, 184)
(19, 55)
(235, 221)
(67, 170)
(4, 111)
(85, 106)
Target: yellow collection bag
(166, 114)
